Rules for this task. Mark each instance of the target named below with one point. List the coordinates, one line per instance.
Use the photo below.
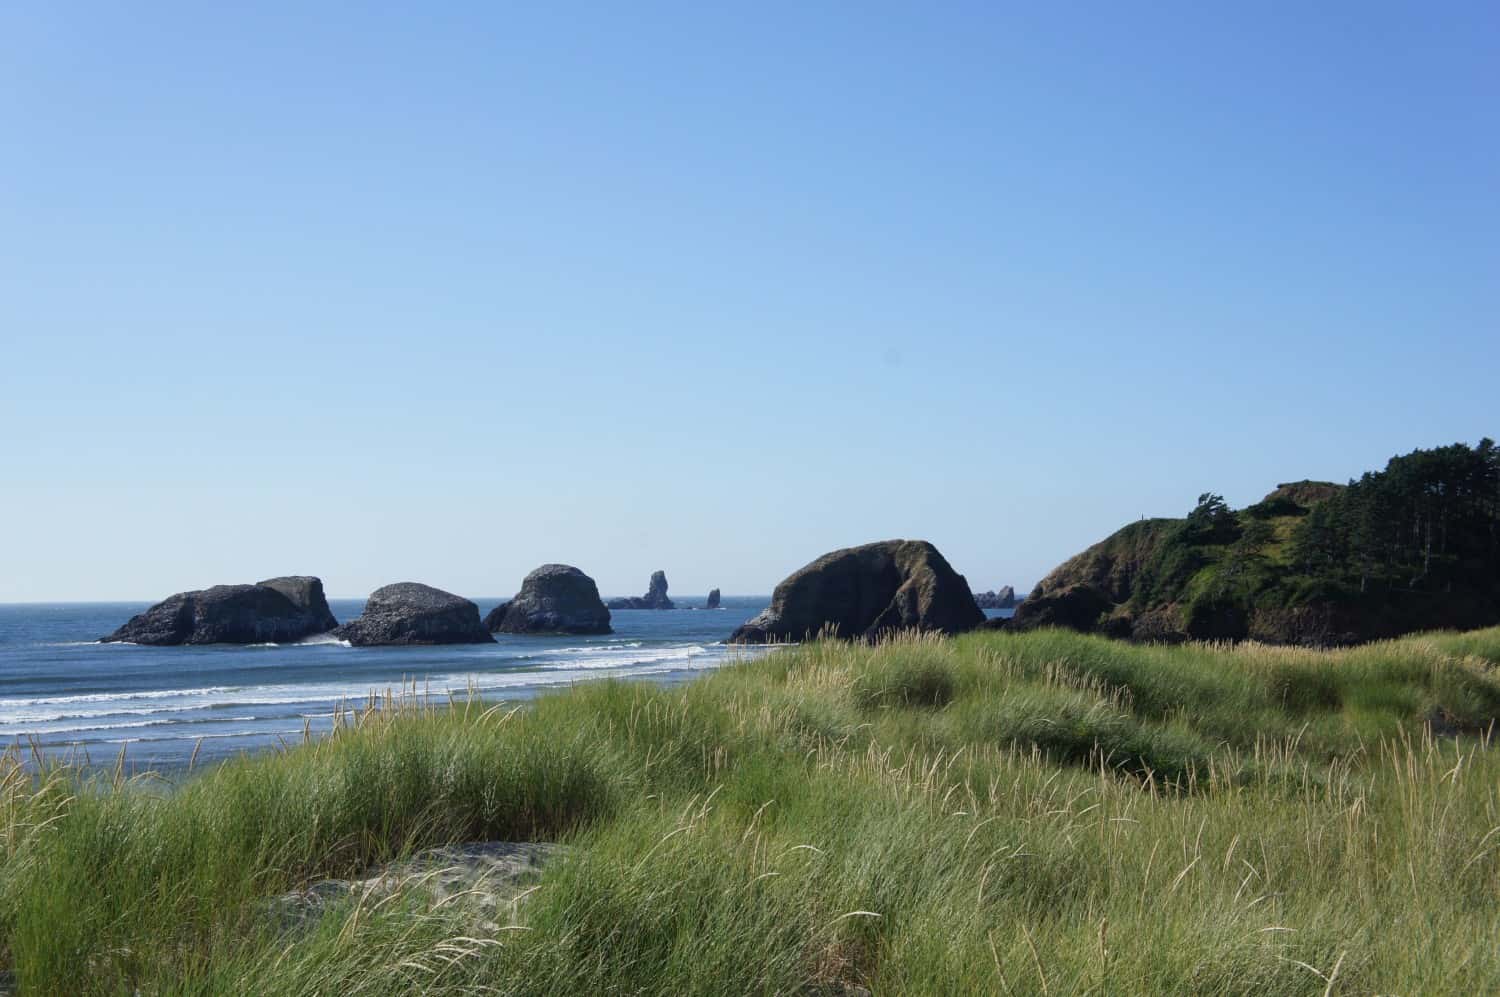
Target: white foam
(112, 697)
(84, 712)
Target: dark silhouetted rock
(713, 600)
(656, 592)
(274, 611)
(864, 592)
(1077, 607)
(554, 599)
(412, 613)
(655, 597)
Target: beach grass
(1038, 813)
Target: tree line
(1429, 522)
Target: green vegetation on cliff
(1035, 813)
(1414, 546)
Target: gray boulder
(865, 592)
(554, 599)
(274, 611)
(412, 613)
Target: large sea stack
(273, 611)
(713, 600)
(864, 592)
(655, 597)
(554, 599)
(412, 613)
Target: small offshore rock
(1005, 598)
(277, 610)
(413, 613)
(655, 597)
(554, 599)
(867, 591)
(713, 600)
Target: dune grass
(1041, 813)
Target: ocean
(67, 695)
(70, 695)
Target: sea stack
(713, 600)
(1003, 599)
(554, 599)
(655, 597)
(273, 611)
(866, 592)
(412, 613)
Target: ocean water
(64, 694)
(69, 695)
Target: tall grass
(1041, 813)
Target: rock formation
(412, 613)
(864, 592)
(655, 597)
(1003, 599)
(713, 600)
(554, 599)
(273, 611)
(1313, 563)
(1077, 607)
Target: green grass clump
(1038, 813)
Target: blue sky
(381, 293)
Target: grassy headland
(1412, 547)
(1036, 813)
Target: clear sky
(388, 292)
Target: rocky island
(413, 613)
(865, 592)
(1005, 598)
(554, 599)
(655, 597)
(713, 600)
(273, 611)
